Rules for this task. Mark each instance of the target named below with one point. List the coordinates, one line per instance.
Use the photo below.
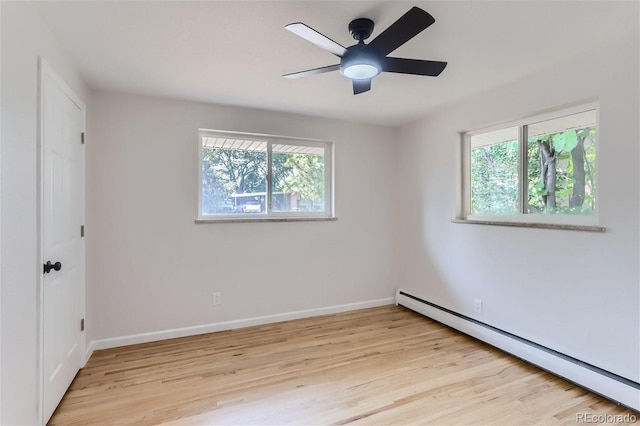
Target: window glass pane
(494, 172)
(298, 178)
(561, 165)
(233, 176)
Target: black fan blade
(404, 29)
(316, 38)
(360, 86)
(314, 71)
(413, 66)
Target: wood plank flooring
(378, 366)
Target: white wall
(576, 292)
(24, 37)
(151, 268)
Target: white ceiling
(235, 52)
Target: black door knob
(49, 266)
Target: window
(542, 169)
(249, 176)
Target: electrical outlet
(477, 305)
(217, 298)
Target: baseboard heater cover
(611, 386)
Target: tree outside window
(545, 167)
(236, 172)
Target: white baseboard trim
(616, 388)
(87, 354)
(230, 325)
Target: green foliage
(564, 147)
(229, 171)
(537, 189)
(560, 168)
(494, 179)
(299, 173)
(565, 141)
(226, 172)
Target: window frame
(268, 215)
(464, 196)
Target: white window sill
(267, 219)
(587, 228)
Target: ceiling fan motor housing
(361, 28)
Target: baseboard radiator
(611, 386)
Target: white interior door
(62, 240)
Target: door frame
(45, 70)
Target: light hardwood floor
(377, 366)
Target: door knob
(49, 266)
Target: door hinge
(81, 231)
(82, 138)
(82, 324)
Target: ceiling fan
(362, 62)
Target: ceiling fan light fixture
(357, 65)
(360, 71)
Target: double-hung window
(538, 170)
(253, 176)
